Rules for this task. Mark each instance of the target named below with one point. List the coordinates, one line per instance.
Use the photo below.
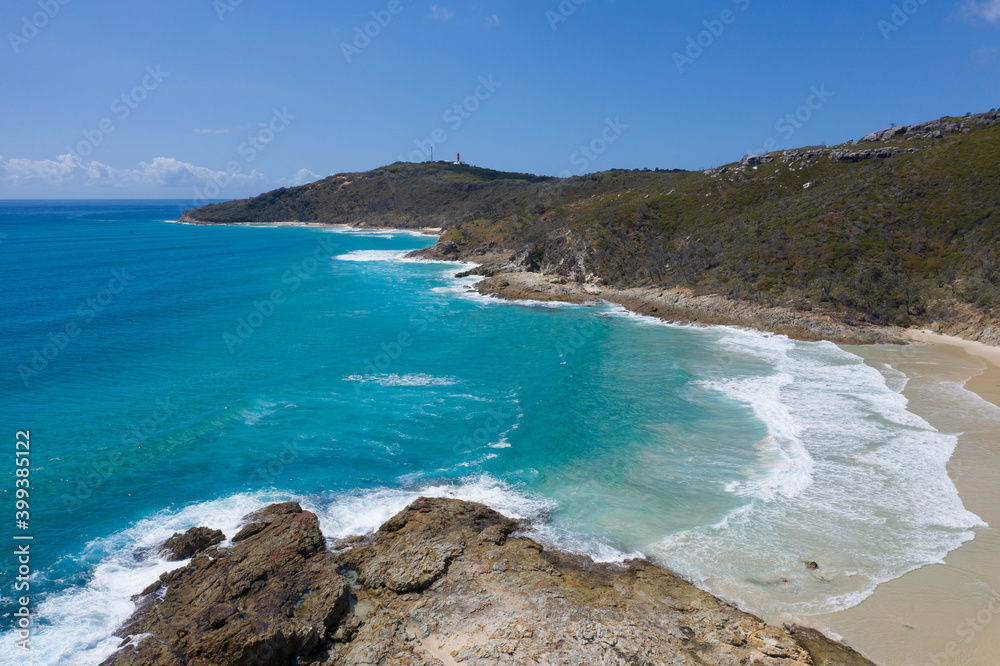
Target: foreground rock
(443, 582)
(273, 597)
(195, 540)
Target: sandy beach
(987, 384)
(948, 613)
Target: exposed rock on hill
(933, 129)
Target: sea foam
(846, 477)
(80, 621)
(372, 255)
(413, 379)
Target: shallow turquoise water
(239, 366)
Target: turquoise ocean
(174, 376)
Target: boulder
(195, 540)
(756, 160)
(273, 598)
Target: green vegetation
(400, 195)
(898, 239)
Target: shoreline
(416, 231)
(799, 321)
(910, 621)
(919, 617)
(682, 306)
(987, 384)
(942, 613)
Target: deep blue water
(176, 375)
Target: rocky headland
(856, 242)
(443, 582)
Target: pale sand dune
(945, 613)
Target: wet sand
(949, 613)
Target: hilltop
(401, 195)
(898, 228)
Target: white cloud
(162, 172)
(211, 131)
(439, 13)
(493, 20)
(301, 177)
(987, 9)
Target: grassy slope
(880, 240)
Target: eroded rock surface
(273, 598)
(681, 305)
(443, 582)
(195, 540)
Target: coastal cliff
(443, 582)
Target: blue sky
(229, 98)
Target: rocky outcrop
(934, 129)
(756, 160)
(845, 156)
(272, 598)
(195, 540)
(444, 582)
(842, 156)
(930, 130)
(824, 651)
(682, 306)
(963, 321)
